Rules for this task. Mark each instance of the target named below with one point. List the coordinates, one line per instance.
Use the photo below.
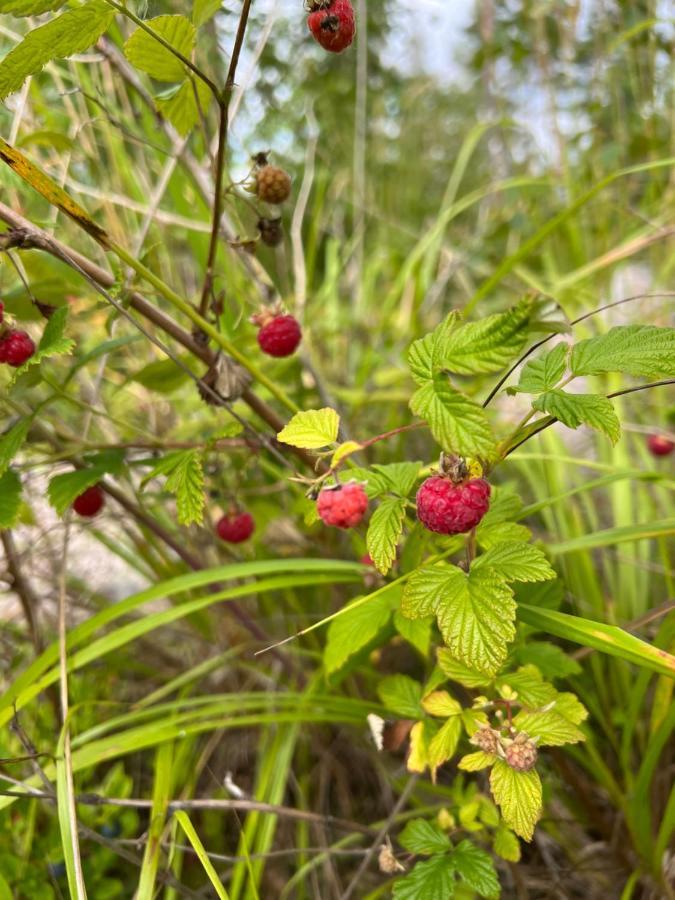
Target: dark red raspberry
(660, 445)
(448, 508)
(521, 755)
(343, 506)
(15, 348)
(332, 24)
(89, 502)
(280, 336)
(235, 527)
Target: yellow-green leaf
(311, 429)
(518, 794)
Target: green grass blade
(184, 821)
(160, 803)
(65, 803)
(612, 536)
(609, 639)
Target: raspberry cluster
(342, 506)
(235, 527)
(332, 24)
(449, 508)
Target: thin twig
(223, 104)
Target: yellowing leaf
(311, 429)
(444, 743)
(343, 451)
(440, 703)
(418, 755)
(518, 794)
(474, 762)
(44, 185)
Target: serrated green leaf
(12, 441)
(351, 632)
(544, 372)
(531, 689)
(574, 410)
(182, 105)
(506, 845)
(489, 536)
(443, 744)
(632, 349)
(457, 671)
(72, 32)
(433, 879)
(29, 7)
(10, 498)
(147, 54)
(548, 727)
(477, 348)
(475, 614)
(415, 631)
(515, 561)
(384, 532)
(569, 706)
(551, 660)
(518, 795)
(402, 695)
(52, 343)
(63, 489)
(475, 867)
(424, 838)
(311, 429)
(399, 478)
(186, 481)
(425, 356)
(474, 762)
(457, 423)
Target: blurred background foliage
(424, 161)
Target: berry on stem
(660, 445)
(235, 527)
(343, 505)
(15, 348)
(521, 753)
(332, 24)
(279, 335)
(449, 508)
(90, 502)
(272, 184)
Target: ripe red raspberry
(280, 336)
(521, 755)
(272, 185)
(660, 445)
(448, 508)
(332, 24)
(15, 348)
(366, 560)
(342, 506)
(89, 502)
(235, 527)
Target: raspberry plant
(219, 376)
